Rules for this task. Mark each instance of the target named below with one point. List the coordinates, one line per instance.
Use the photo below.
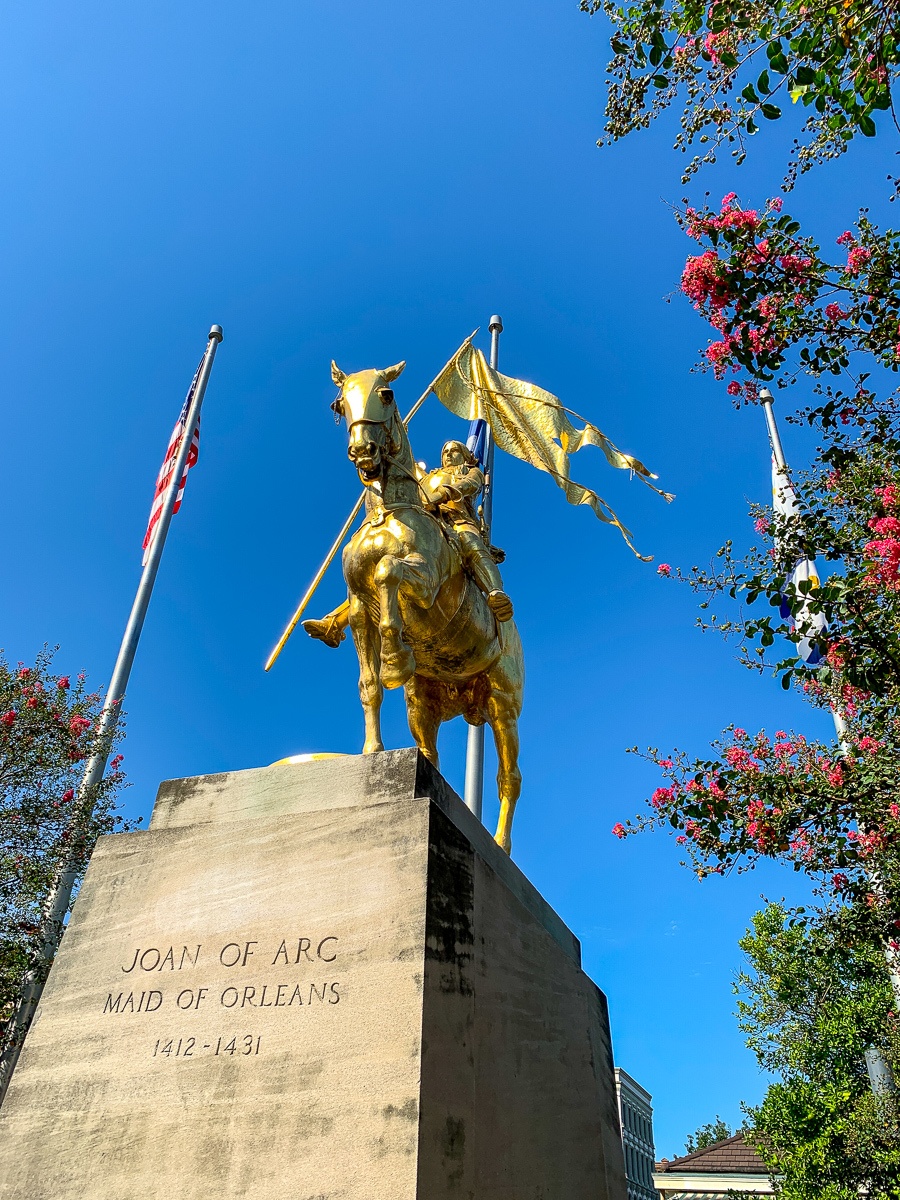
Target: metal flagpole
(474, 789)
(880, 1074)
(768, 403)
(57, 903)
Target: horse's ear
(337, 374)
(389, 374)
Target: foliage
(707, 1135)
(772, 299)
(47, 730)
(734, 64)
(810, 1006)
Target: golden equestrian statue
(426, 604)
(419, 619)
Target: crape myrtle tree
(780, 307)
(771, 297)
(48, 728)
(810, 1004)
(734, 65)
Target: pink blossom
(738, 757)
(834, 312)
(704, 280)
(718, 354)
(67, 796)
(840, 881)
(734, 388)
(7, 718)
(63, 683)
(846, 238)
(619, 829)
(894, 810)
(792, 264)
(681, 839)
(666, 763)
(664, 569)
(77, 725)
(776, 204)
(662, 796)
(740, 733)
(869, 744)
(889, 495)
(761, 525)
(857, 259)
(729, 199)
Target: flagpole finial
(216, 332)
(495, 323)
(766, 396)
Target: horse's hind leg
(507, 680)
(371, 693)
(423, 716)
(503, 718)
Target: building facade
(636, 1119)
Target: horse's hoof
(397, 669)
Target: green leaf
(763, 83)
(749, 94)
(805, 75)
(867, 126)
(771, 112)
(796, 92)
(660, 81)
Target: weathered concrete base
(316, 982)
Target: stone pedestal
(315, 982)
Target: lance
(880, 1075)
(474, 787)
(57, 904)
(345, 528)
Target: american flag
(168, 466)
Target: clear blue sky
(370, 183)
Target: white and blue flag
(812, 625)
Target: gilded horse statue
(418, 618)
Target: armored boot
(486, 574)
(332, 629)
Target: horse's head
(367, 403)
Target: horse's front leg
(398, 663)
(371, 693)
